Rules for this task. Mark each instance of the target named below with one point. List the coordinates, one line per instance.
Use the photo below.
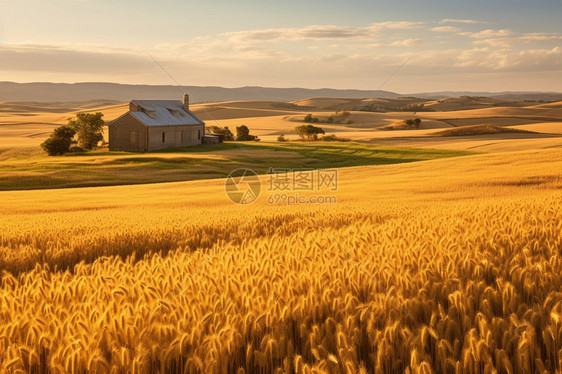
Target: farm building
(156, 124)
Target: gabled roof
(164, 113)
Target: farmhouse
(156, 124)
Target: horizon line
(283, 88)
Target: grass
(103, 168)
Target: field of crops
(447, 266)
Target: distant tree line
(338, 117)
(383, 109)
(242, 133)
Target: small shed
(211, 139)
(156, 124)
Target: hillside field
(22, 169)
(450, 265)
(437, 250)
(27, 124)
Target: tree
(413, 122)
(225, 131)
(308, 131)
(59, 141)
(89, 129)
(243, 134)
(309, 119)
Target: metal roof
(165, 113)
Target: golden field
(26, 125)
(446, 266)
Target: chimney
(133, 107)
(186, 102)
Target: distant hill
(52, 92)
(530, 96)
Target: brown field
(28, 124)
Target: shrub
(334, 138)
(243, 134)
(413, 122)
(281, 138)
(59, 141)
(76, 149)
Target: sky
(402, 46)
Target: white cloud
(465, 21)
(319, 32)
(446, 29)
(402, 25)
(407, 43)
(94, 59)
(508, 60)
(318, 55)
(527, 38)
(539, 37)
(486, 34)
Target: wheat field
(444, 266)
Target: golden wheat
(460, 275)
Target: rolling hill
(49, 92)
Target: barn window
(181, 136)
(163, 137)
(199, 134)
(132, 137)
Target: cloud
(305, 56)
(465, 21)
(486, 34)
(402, 25)
(446, 29)
(95, 59)
(408, 43)
(521, 39)
(535, 60)
(539, 37)
(319, 32)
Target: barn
(156, 124)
